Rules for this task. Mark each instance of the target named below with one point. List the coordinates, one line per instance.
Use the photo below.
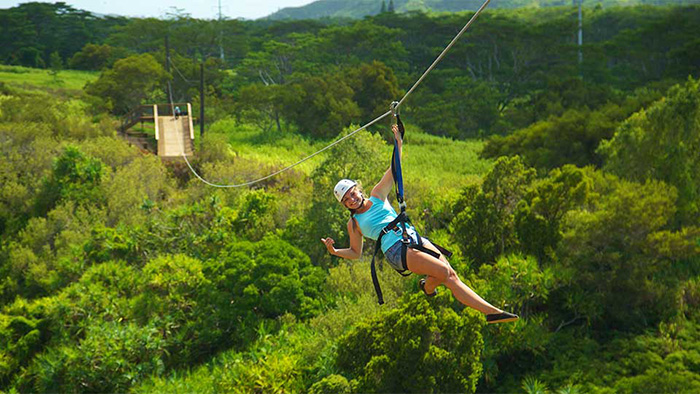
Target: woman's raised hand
(397, 134)
(329, 244)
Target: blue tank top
(378, 216)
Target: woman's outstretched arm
(354, 251)
(383, 188)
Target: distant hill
(361, 8)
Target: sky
(202, 9)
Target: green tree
(320, 107)
(459, 107)
(96, 57)
(333, 384)
(256, 281)
(617, 254)
(517, 282)
(74, 177)
(416, 347)
(109, 357)
(539, 214)
(374, 86)
(55, 65)
(262, 105)
(569, 138)
(484, 221)
(30, 32)
(256, 216)
(128, 82)
(663, 142)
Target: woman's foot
(503, 317)
(421, 284)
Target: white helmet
(342, 187)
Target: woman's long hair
(352, 211)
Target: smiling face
(352, 199)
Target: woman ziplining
(403, 248)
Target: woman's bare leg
(431, 283)
(438, 272)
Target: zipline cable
(447, 48)
(394, 110)
(288, 167)
(190, 82)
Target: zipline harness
(394, 110)
(399, 223)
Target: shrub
(111, 357)
(415, 347)
(333, 384)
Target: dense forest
(565, 179)
(361, 8)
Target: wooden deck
(174, 136)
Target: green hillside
(360, 8)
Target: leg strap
(375, 279)
(417, 246)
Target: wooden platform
(174, 136)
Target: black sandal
(421, 284)
(504, 317)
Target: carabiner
(394, 108)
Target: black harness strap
(400, 220)
(406, 243)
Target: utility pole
(167, 64)
(580, 32)
(201, 99)
(221, 34)
(167, 52)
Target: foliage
(128, 82)
(484, 215)
(663, 142)
(96, 57)
(318, 109)
(571, 137)
(374, 86)
(358, 9)
(256, 216)
(517, 282)
(539, 215)
(111, 357)
(461, 107)
(74, 177)
(330, 385)
(614, 270)
(413, 347)
(32, 31)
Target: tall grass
(268, 148)
(33, 78)
(430, 162)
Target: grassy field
(433, 162)
(34, 78)
(269, 149)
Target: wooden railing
(146, 113)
